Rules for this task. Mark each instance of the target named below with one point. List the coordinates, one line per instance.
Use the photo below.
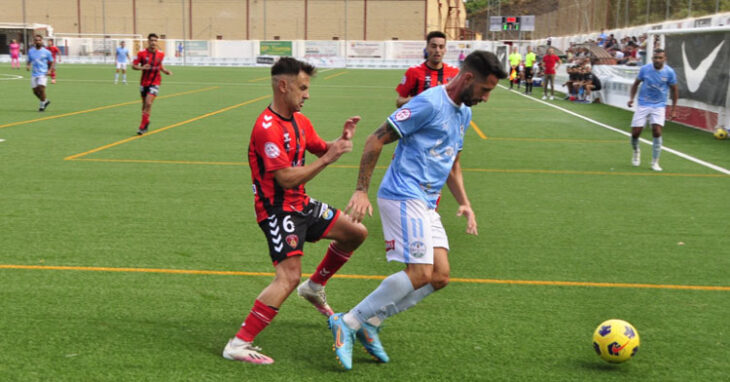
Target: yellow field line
(336, 75)
(103, 108)
(479, 132)
(76, 156)
(372, 277)
(352, 166)
(259, 79)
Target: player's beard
(467, 96)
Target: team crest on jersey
(272, 150)
(389, 245)
(402, 115)
(418, 249)
(292, 240)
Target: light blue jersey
(655, 86)
(39, 59)
(122, 55)
(431, 128)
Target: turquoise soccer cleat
(344, 337)
(368, 337)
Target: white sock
(116, 77)
(238, 342)
(124, 77)
(374, 321)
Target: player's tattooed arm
(373, 146)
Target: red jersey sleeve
(137, 60)
(315, 144)
(407, 83)
(269, 145)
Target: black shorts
(152, 89)
(287, 231)
(528, 72)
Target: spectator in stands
(642, 48)
(602, 39)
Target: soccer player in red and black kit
(149, 61)
(285, 213)
(431, 73)
(54, 52)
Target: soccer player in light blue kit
(122, 59)
(41, 60)
(431, 129)
(658, 78)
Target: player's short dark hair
(149, 36)
(659, 51)
(290, 65)
(435, 34)
(37, 36)
(483, 63)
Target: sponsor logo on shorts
(327, 214)
(418, 249)
(389, 245)
(292, 240)
(402, 115)
(272, 150)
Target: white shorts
(122, 65)
(38, 81)
(655, 115)
(411, 231)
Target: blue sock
(414, 297)
(656, 148)
(382, 301)
(635, 143)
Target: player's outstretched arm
(455, 181)
(163, 69)
(359, 203)
(291, 177)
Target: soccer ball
(720, 133)
(616, 340)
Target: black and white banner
(502, 56)
(702, 64)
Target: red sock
(332, 262)
(145, 120)
(258, 319)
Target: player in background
(430, 130)
(431, 73)
(149, 61)
(657, 79)
(56, 58)
(515, 58)
(530, 60)
(14, 54)
(550, 63)
(122, 57)
(41, 60)
(285, 213)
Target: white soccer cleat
(655, 166)
(246, 353)
(544, 97)
(636, 159)
(316, 298)
(552, 98)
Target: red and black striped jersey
(422, 77)
(277, 143)
(152, 75)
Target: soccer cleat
(246, 353)
(44, 105)
(636, 159)
(344, 337)
(316, 298)
(143, 130)
(368, 337)
(544, 97)
(655, 166)
(552, 98)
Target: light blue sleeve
(411, 116)
(49, 56)
(672, 77)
